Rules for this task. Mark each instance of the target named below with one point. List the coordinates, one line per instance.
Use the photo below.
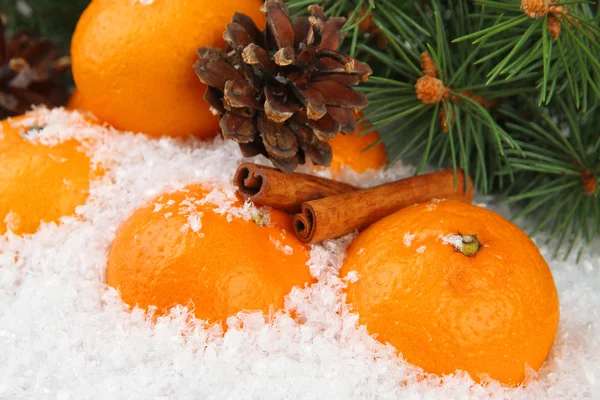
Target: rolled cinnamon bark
(269, 187)
(336, 216)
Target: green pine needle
(469, 137)
(50, 19)
(536, 88)
(562, 158)
(572, 69)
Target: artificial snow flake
(285, 249)
(352, 277)
(408, 238)
(454, 240)
(12, 221)
(189, 209)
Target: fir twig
(50, 19)
(459, 131)
(497, 66)
(558, 179)
(562, 44)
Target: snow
(189, 209)
(454, 240)
(352, 276)
(65, 335)
(12, 220)
(225, 201)
(421, 249)
(285, 249)
(408, 238)
(431, 206)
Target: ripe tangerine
(76, 102)
(352, 150)
(178, 249)
(133, 62)
(455, 287)
(38, 182)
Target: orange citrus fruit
(178, 249)
(353, 151)
(38, 182)
(455, 287)
(76, 102)
(133, 62)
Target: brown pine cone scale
(29, 72)
(285, 91)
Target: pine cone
(285, 91)
(29, 70)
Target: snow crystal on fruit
(12, 221)
(225, 201)
(189, 208)
(408, 238)
(285, 249)
(454, 240)
(421, 249)
(351, 276)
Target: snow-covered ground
(65, 335)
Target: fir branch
(558, 179)
(363, 19)
(358, 13)
(457, 129)
(561, 41)
(479, 107)
(54, 20)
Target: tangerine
(38, 182)
(455, 287)
(353, 150)
(133, 62)
(76, 102)
(180, 249)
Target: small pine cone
(443, 123)
(29, 73)
(536, 8)
(285, 91)
(430, 90)
(366, 25)
(589, 182)
(428, 65)
(557, 10)
(554, 26)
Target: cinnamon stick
(336, 216)
(284, 191)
